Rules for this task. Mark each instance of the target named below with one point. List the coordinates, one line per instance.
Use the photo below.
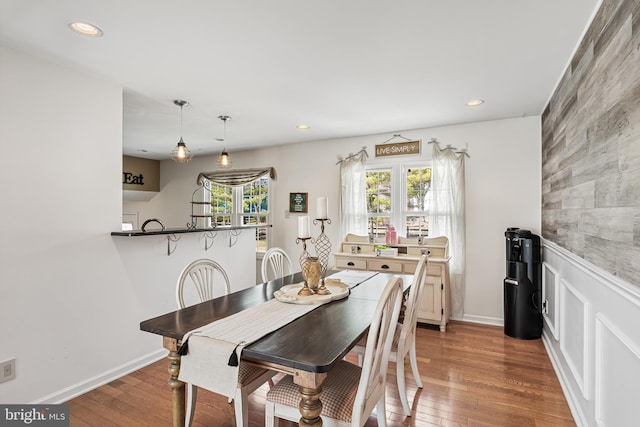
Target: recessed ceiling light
(302, 127)
(86, 29)
(475, 102)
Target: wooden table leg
(177, 386)
(310, 404)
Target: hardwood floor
(473, 375)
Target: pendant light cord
(181, 121)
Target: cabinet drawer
(434, 270)
(353, 264)
(385, 265)
(410, 267)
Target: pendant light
(181, 153)
(224, 159)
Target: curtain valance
(236, 177)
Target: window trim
(398, 170)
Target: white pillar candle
(303, 227)
(322, 208)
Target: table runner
(352, 278)
(210, 347)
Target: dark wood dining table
(306, 348)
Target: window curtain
(447, 216)
(236, 177)
(353, 202)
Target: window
(221, 204)
(399, 195)
(255, 209)
(417, 195)
(243, 205)
(379, 204)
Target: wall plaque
(140, 174)
(398, 149)
(298, 202)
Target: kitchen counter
(133, 233)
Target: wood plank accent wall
(591, 146)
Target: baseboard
(75, 390)
(571, 398)
(494, 321)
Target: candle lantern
(306, 266)
(323, 250)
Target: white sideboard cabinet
(358, 253)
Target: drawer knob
(350, 264)
(385, 266)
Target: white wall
(502, 190)
(502, 184)
(71, 295)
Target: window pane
(261, 232)
(418, 186)
(255, 206)
(222, 219)
(378, 191)
(379, 224)
(221, 204)
(255, 196)
(417, 225)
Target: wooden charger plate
(289, 293)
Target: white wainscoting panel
(551, 294)
(574, 314)
(592, 338)
(617, 381)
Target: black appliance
(523, 285)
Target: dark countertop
(132, 233)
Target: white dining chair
(350, 392)
(404, 340)
(209, 281)
(275, 263)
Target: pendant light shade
(181, 153)
(224, 159)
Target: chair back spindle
(208, 279)
(275, 264)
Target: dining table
(306, 348)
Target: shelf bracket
(209, 235)
(172, 238)
(233, 237)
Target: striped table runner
(352, 278)
(211, 348)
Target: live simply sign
(398, 149)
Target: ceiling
(342, 67)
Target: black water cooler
(523, 285)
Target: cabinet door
(430, 309)
(409, 267)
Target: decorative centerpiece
(314, 269)
(305, 264)
(313, 272)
